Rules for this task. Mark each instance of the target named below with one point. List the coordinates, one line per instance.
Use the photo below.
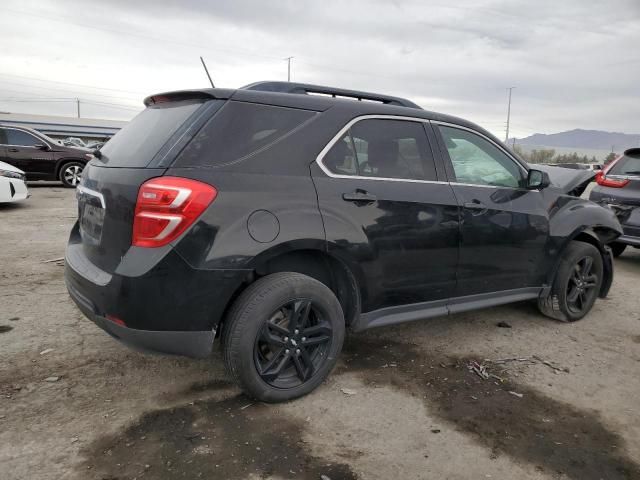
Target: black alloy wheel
(292, 344)
(282, 336)
(581, 286)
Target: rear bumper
(170, 308)
(195, 344)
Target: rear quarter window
(239, 130)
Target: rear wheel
(282, 336)
(71, 174)
(577, 283)
(617, 248)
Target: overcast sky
(573, 65)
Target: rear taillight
(166, 207)
(610, 182)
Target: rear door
(387, 213)
(504, 227)
(29, 153)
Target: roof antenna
(207, 72)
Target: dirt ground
(402, 403)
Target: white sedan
(12, 184)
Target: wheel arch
(599, 237)
(315, 263)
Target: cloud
(573, 65)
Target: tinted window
(18, 137)
(477, 161)
(240, 129)
(627, 165)
(139, 141)
(384, 149)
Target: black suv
(278, 215)
(41, 157)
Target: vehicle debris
(46, 350)
(503, 325)
(516, 394)
(532, 360)
(52, 260)
(348, 391)
(52, 379)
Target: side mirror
(41, 146)
(537, 180)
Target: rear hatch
(620, 188)
(142, 150)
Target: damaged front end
(571, 182)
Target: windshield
(627, 165)
(139, 141)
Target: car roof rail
(308, 89)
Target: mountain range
(582, 140)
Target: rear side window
(143, 137)
(383, 149)
(628, 165)
(239, 130)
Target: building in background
(89, 130)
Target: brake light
(166, 207)
(610, 182)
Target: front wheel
(577, 283)
(283, 336)
(71, 174)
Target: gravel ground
(402, 403)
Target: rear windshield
(627, 165)
(238, 130)
(143, 137)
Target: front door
(387, 214)
(504, 227)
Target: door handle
(14, 150)
(477, 206)
(359, 196)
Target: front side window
(382, 148)
(23, 139)
(477, 161)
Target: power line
(69, 83)
(41, 87)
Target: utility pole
(288, 59)
(206, 70)
(78, 106)
(508, 114)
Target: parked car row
(41, 157)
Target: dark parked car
(619, 187)
(278, 215)
(41, 157)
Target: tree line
(550, 156)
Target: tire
(265, 354)
(617, 248)
(70, 174)
(577, 283)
